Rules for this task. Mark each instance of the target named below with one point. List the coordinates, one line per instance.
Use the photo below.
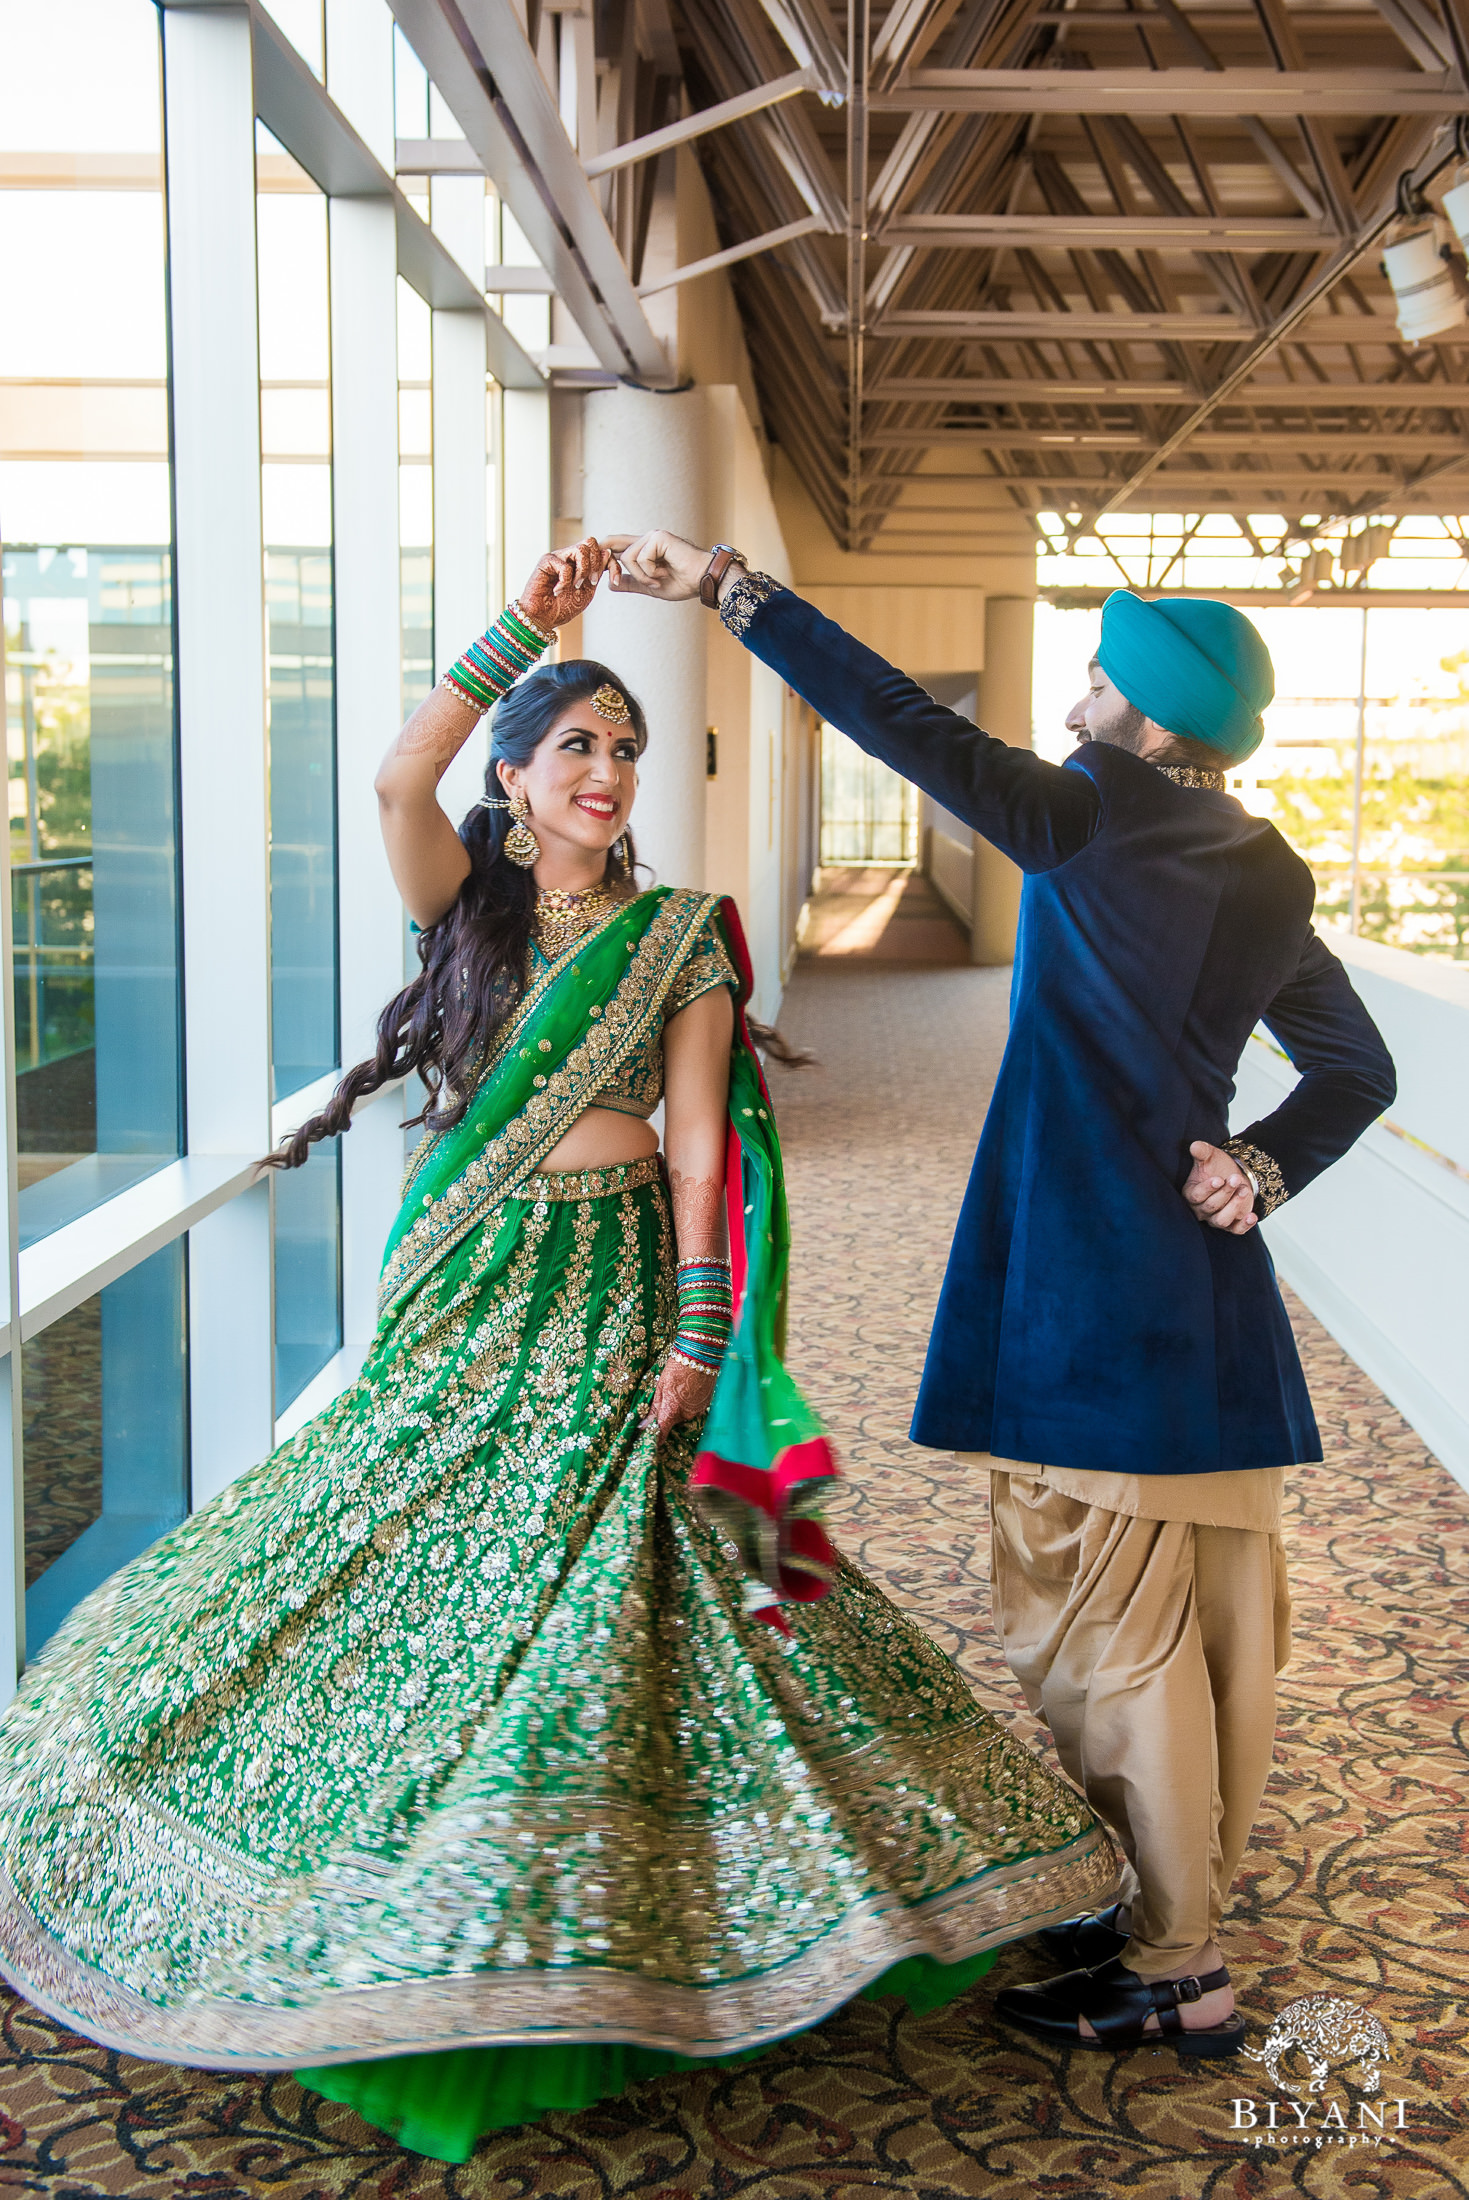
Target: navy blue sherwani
(1088, 1318)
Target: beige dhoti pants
(1150, 1648)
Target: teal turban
(1198, 668)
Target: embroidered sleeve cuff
(744, 598)
(1264, 1171)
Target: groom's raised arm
(1039, 814)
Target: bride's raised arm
(428, 860)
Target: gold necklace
(563, 917)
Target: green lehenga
(446, 1757)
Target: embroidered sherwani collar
(1191, 775)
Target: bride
(514, 1732)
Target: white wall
(1378, 1247)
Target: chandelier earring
(521, 844)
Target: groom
(1110, 1341)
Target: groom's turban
(1199, 669)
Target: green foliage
(1414, 828)
(61, 712)
(51, 910)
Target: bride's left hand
(683, 1394)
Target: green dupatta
(764, 1456)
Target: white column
(461, 534)
(210, 125)
(646, 465)
(367, 597)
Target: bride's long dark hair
(474, 959)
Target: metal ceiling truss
(1111, 251)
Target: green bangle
(504, 653)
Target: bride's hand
(564, 583)
(656, 564)
(683, 1394)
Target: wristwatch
(725, 555)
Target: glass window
(1365, 766)
(103, 1399)
(496, 591)
(88, 604)
(868, 813)
(416, 493)
(410, 89)
(303, 23)
(295, 414)
(308, 1269)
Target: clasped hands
(653, 564)
(1219, 1191)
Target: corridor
(1354, 1884)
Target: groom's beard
(1124, 730)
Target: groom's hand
(1219, 1191)
(656, 564)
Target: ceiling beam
(1166, 92)
(519, 282)
(707, 119)
(735, 252)
(1441, 151)
(1061, 440)
(1173, 492)
(1067, 328)
(1080, 327)
(437, 157)
(1308, 396)
(1244, 233)
(859, 65)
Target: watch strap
(725, 555)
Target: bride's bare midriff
(599, 1139)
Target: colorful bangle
(704, 1366)
(705, 1313)
(503, 654)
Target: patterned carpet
(1356, 1882)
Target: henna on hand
(564, 583)
(683, 1394)
(698, 1215)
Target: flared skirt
(447, 1725)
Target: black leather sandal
(1116, 2003)
(1082, 1943)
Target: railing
(1378, 1247)
(41, 965)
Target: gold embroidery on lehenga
(446, 1723)
(670, 938)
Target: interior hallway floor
(880, 913)
(1356, 1881)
